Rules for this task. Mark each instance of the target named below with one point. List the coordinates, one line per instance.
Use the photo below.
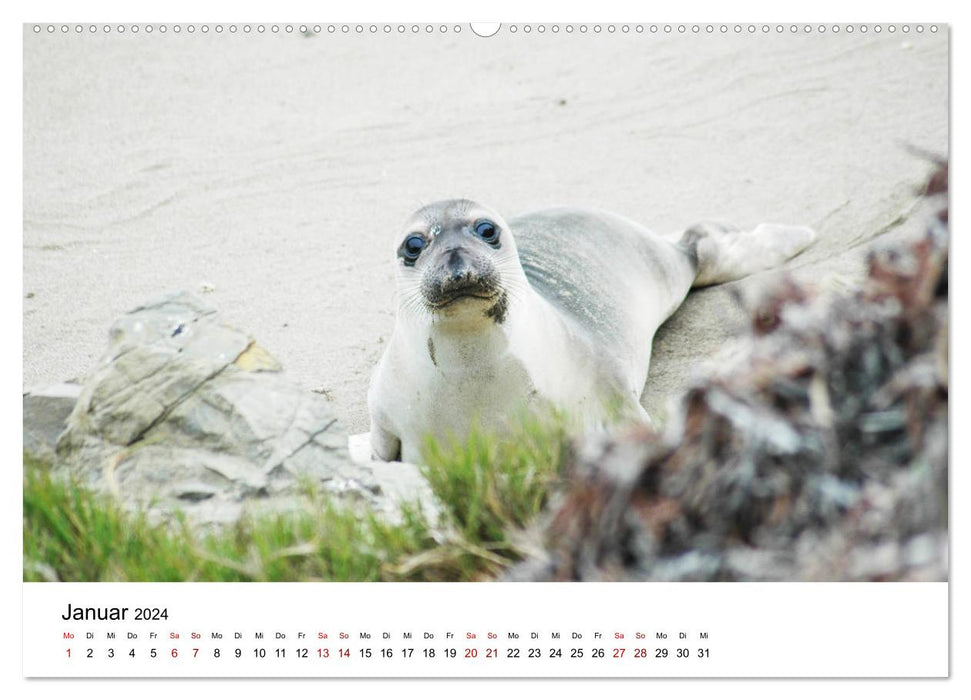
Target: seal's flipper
(722, 252)
(385, 447)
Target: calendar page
(485, 350)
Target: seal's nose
(456, 271)
(456, 264)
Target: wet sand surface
(276, 169)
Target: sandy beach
(275, 169)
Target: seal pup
(559, 305)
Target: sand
(275, 169)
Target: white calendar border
(829, 10)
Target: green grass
(489, 488)
(488, 484)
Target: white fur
(481, 374)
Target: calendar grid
(496, 630)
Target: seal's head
(457, 261)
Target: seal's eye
(487, 231)
(412, 247)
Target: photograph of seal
(559, 305)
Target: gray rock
(185, 413)
(400, 482)
(45, 417)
